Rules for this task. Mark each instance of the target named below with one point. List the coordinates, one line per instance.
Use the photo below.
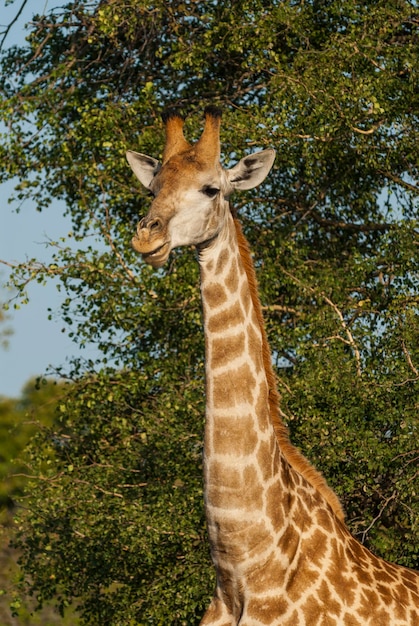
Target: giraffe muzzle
(151, 241)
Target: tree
(117, 516)
(20, 419)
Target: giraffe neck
(236, 378)
(242, 458)
(245, 438)
(236, 382)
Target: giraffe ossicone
(282, 552)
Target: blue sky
(35, 342)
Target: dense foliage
(115, 519)
(20, 419)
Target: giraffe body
(282, 552)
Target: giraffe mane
(290, 452)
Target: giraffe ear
(251, 170)
(144, 167)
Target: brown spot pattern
(232, 278)
(233, 489)
(266, 610)
(262, 407)
(234, 435)
(265, 460)
(270, 576)
(214, 295)
(316, 547)
(302, 579)
(226, 349)
(229, 318)
(290, 542)
(234, 388)
(222, 261)
(275, 509)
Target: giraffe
(281, 550)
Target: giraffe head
(190, 188)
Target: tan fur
(175, 140)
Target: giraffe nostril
(154, 224)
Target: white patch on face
(192, 223)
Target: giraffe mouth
(158, 257)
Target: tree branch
(379, 514)
(350, 226)
(400, 181)
(281, 309)
(350, 339)
(409, 360)
(9, 26)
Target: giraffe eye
(211, 192)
